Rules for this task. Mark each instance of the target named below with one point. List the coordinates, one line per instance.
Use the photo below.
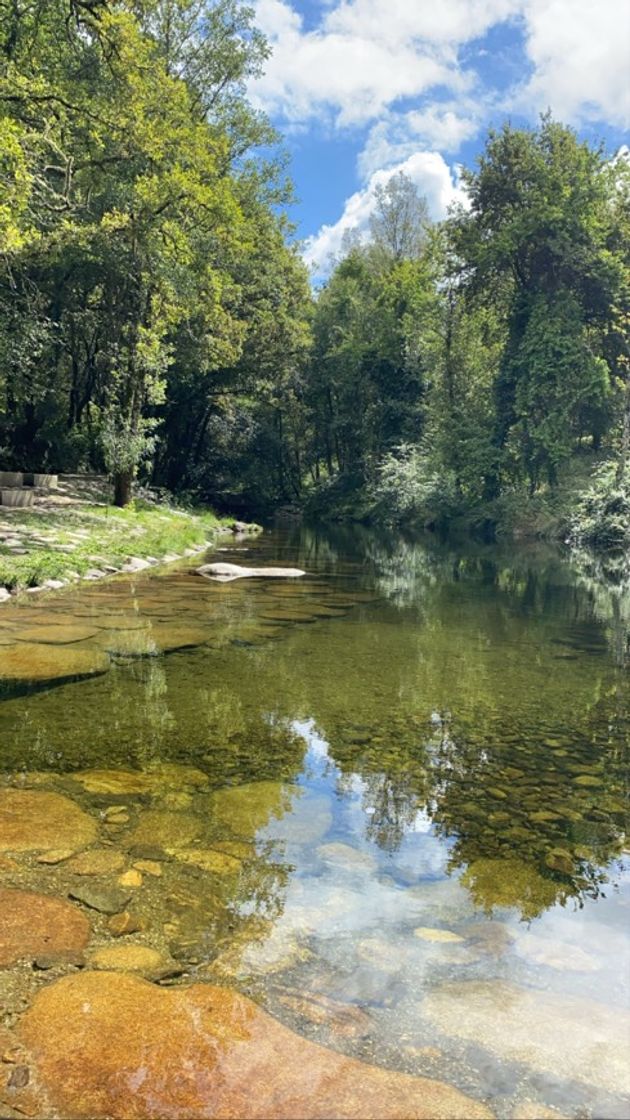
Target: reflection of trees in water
(606, 579)
(531, 823)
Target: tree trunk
(122, 488)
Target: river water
(387, 801)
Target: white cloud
(428, 170)
(398, 136)
(580, 50)
(366, 54)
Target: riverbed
(367, 824)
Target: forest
(158, 323)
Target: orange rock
(111, 1045)
(33, 925)
(33, 820)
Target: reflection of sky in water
(369, 918)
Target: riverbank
(76, 535)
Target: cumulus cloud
(398, 136)
(580, 51)
(428, 170)
(364, 56)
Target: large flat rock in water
(106, 1044)
(570, 1038)
(34, 925)
(34, 663)
(34, 820)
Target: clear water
(417, 759)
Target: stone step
(17, 496)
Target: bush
(602, 516)
(409, 488)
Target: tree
(533, 244)
(400, 219)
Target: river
(386, 802)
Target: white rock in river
(225, 572)
(570, 1038)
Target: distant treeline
(156, 317)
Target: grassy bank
(68, 542)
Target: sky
(361, 89)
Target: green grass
(101, 535)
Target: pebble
(107, 900)
(131, 878)
(149, 866)
(120, 924)
(429, 934)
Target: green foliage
(602, 516)
(409, 487)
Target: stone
(346, 857)
(160, 638)
(492, 938)
(166, 829)
(345, 1020)
(577, 1039)
(128, 958)
(107, 900)
(5, 594)
(121, 924)
(46, 961)
(113, 811)
(154, 780)
(224, 573)
(529, 1110)
(34, 820)
(38, 663)
(426, 933)
(97, 861)
(131, 878)
(208, 859)
(244, 809)
(149, 867)
(135, 564)
(32, 924)
(555, 954)
(56, 635)
(56, 856)
(108, 1044)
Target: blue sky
(362, 88)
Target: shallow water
(405, 836)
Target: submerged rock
(128, 958)
(346, 857)
(244, 809)
(32, 662)
(56, 635)
(555, 954)
(165, 829)
(34, 820)
(570, 1038)
(107, 900)
(98, 861)
(34, 925)
(427, 933)
(111, 1045)
(166, 775)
